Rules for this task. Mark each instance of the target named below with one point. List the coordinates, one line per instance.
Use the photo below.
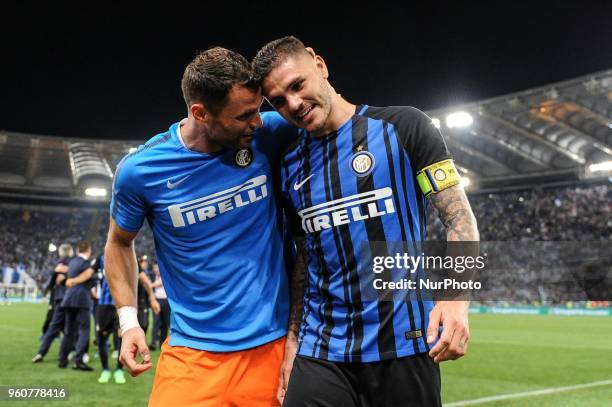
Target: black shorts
(408, 381)
(107, 320)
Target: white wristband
(128, 318)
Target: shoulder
(411, 125)
(276, 134)
(398, 115)
(272, 119)
(155, 146)
(135, 166)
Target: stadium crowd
(561, 214)
(26, 233)
(551, 214)
(551, 237)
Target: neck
(340, 112)
(195, 137)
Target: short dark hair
(275, 52)
(212, 74)
(83, 246)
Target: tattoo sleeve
(298, 285)
(456, 214)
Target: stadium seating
(27, 231)
(577, 213)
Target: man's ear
(319, 62)
(200, 113)
(321, 66)
(311, 51)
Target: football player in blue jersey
(206, 187)
(361, 174)
(107, 324)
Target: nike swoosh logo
(171, 185)
(298, 185)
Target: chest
(342, 180)
(186, 196)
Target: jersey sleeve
(422, 140)
(430, 159)
(127, 204)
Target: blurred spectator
(26, 232)
(560, 214)
(551, 214)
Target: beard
(325, 106)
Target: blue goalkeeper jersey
(354, 186)
(218, 234)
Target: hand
(70, 283)
(61, 268)
(453, 316)
(286, 366)
(132, 342)
(154, 305)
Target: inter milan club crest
(440, 175)
(243, 157)
(362, 163)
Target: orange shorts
(191, 377)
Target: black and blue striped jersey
(355, 185)
(104, 294)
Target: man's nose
(294, 102)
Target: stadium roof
(553, 133)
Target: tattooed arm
(454, 210)
(456, 214)
(298, 285)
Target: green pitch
(507, 354)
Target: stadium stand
(26, 231)
(571, 214)
(537, 166)
(578, 213)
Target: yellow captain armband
(437, 177)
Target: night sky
(114, 71)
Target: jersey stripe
(350, 277)
(408, 184)
(375, 233)
(322, 341)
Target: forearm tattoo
(298, 286)
(456, 214)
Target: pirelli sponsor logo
(437, 177)
(213, 205)
(342, 211)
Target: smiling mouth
(305, 112)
